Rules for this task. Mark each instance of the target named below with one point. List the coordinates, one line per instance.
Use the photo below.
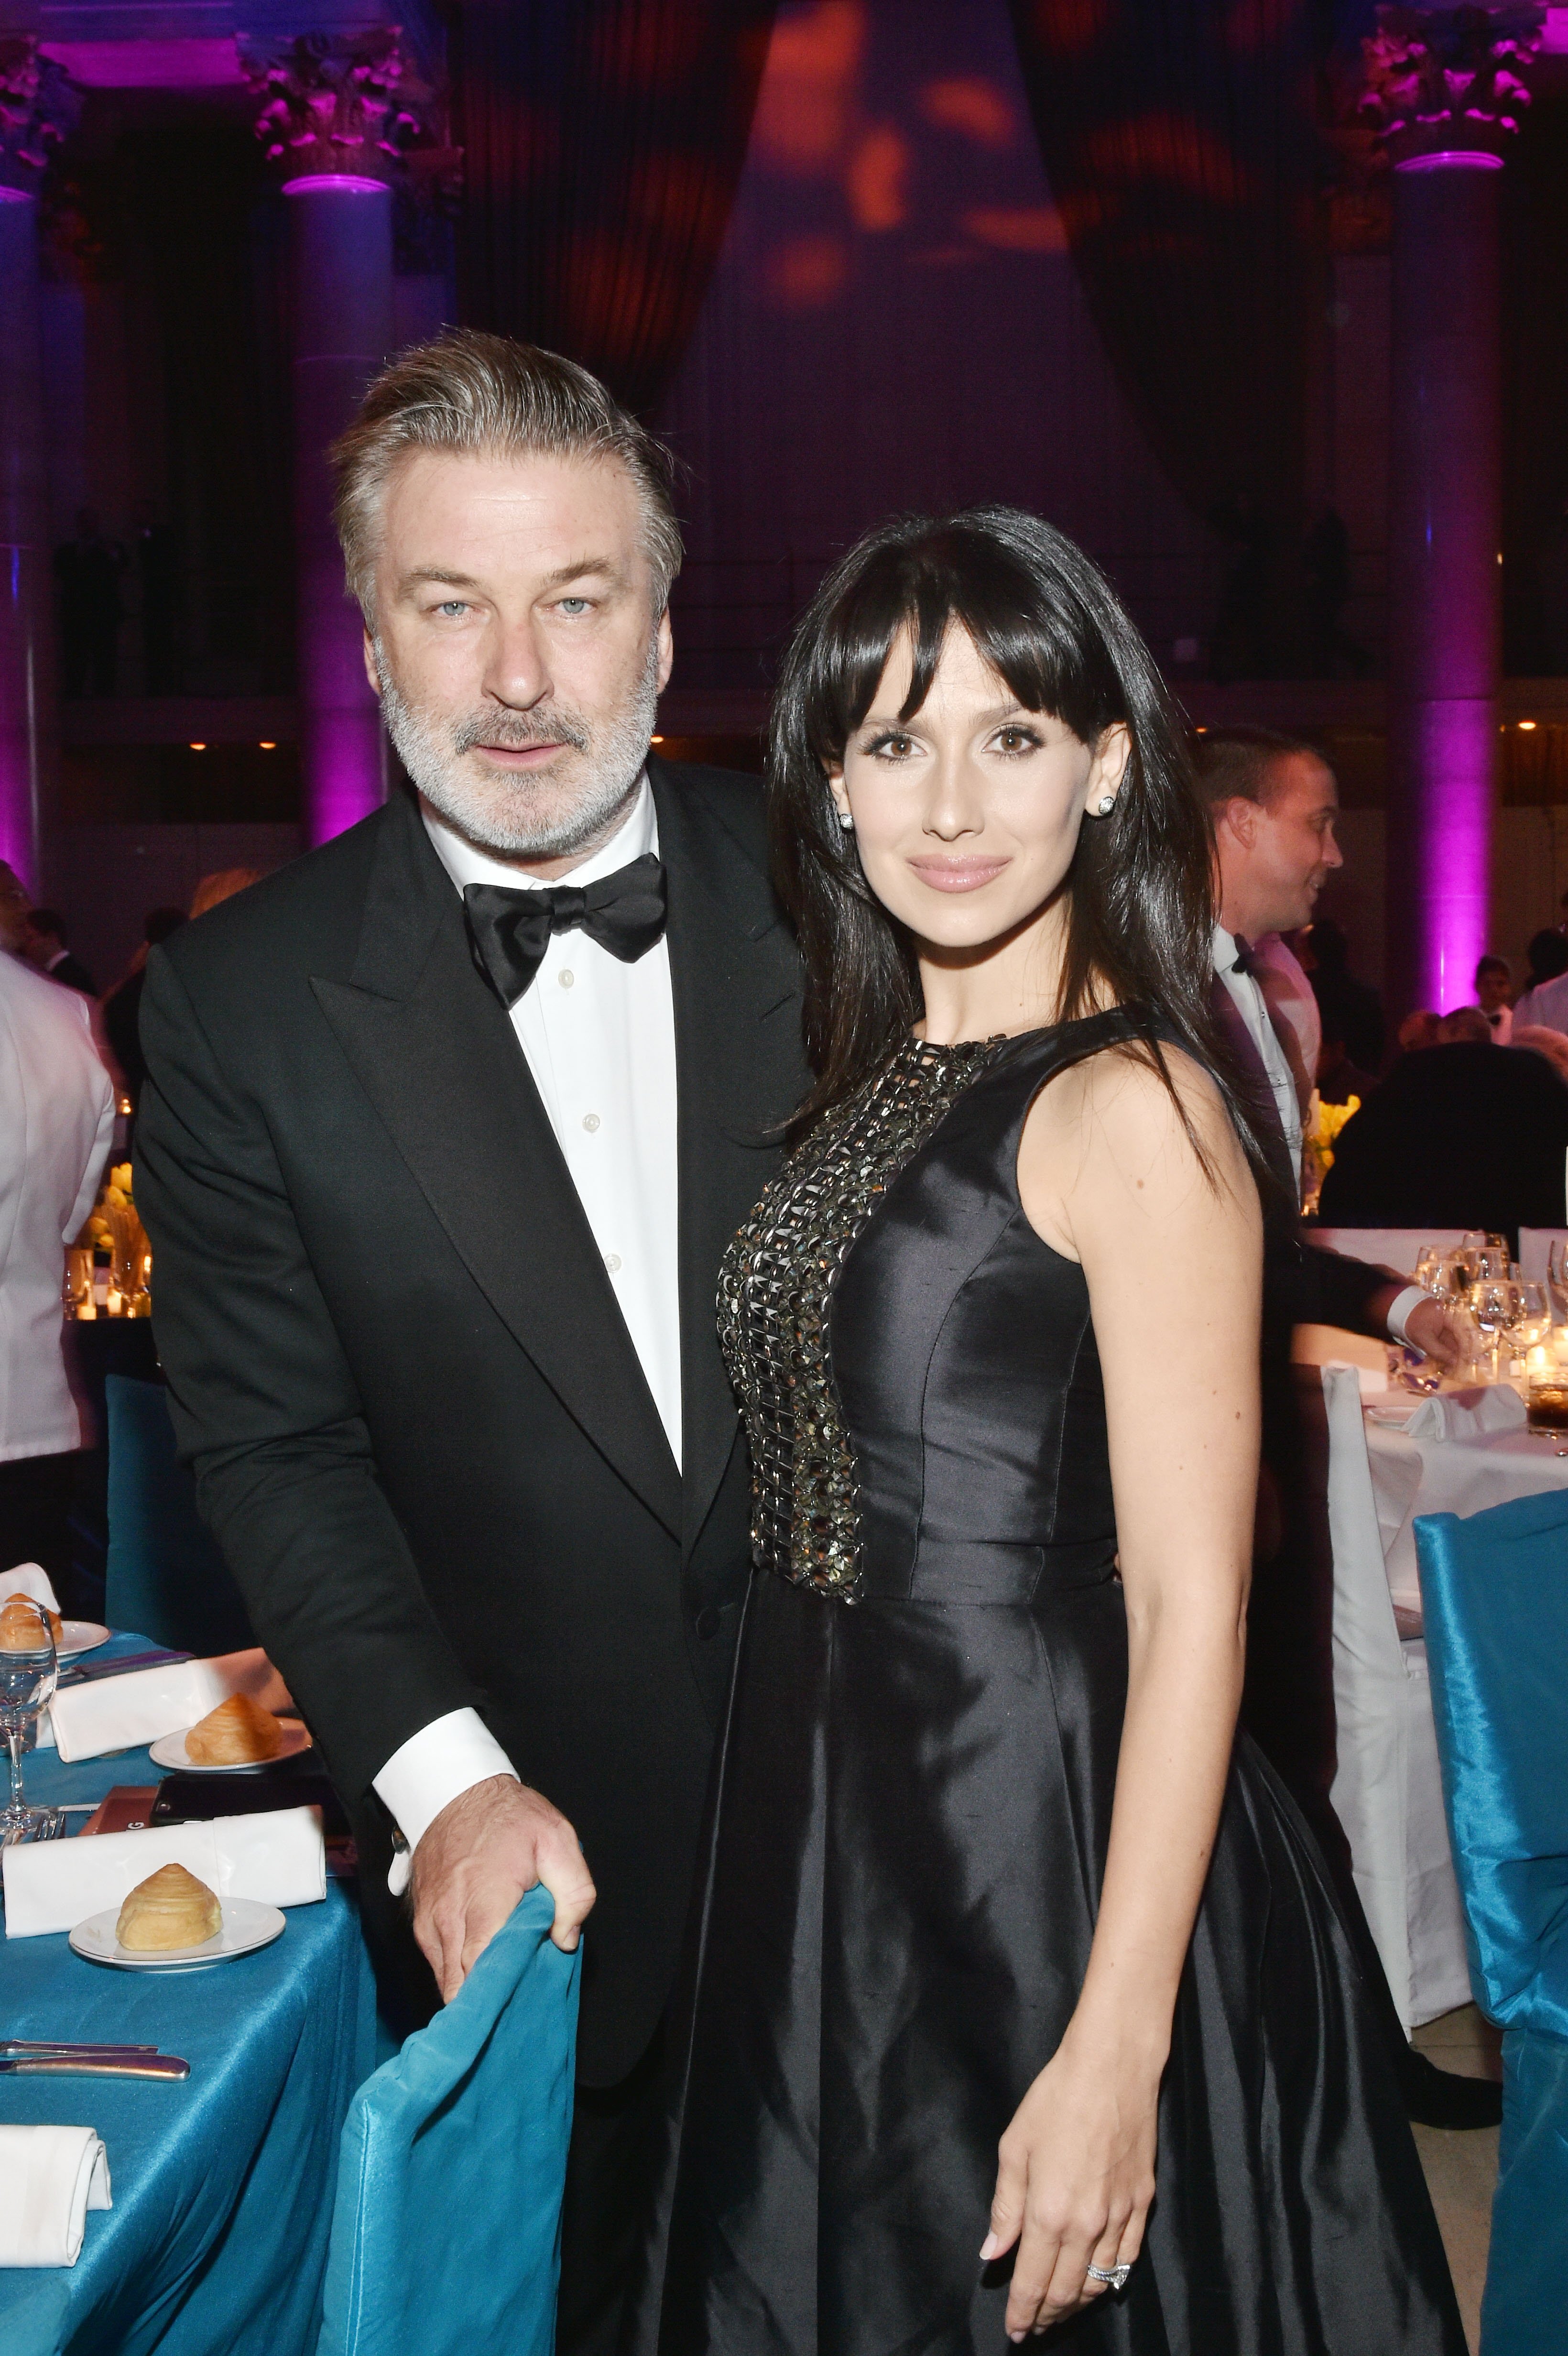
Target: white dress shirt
(599, 1038)
(57, 1120)
(1546, 1005)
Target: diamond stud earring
(1107, 804)
(845, 822)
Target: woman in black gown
(1019, 1998)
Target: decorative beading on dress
(775, 1291)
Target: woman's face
(967, 814)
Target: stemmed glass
(1532, 1323)
(28, 1671)
(1494, 1304)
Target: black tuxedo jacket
(419, 1427)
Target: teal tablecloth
(223, 2185)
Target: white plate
(79, 1636)
(247, 1924)
(169, 1750)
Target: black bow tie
(509, 931)
(1246, 961)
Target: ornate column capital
(344, 106)
(1445, 81)
(38, 108)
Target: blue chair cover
(1494, 1590)
(164, 1576)
(446, 2232)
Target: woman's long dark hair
(1139, 895)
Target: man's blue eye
(454, 605)
(574, 605)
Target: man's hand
(1433, 1330)
(484, 1849)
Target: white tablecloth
(1448, 1476)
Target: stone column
(36, 108)
(336, 123)
(1445, 90)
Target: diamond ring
(1115, 2276)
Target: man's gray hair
(466, 393)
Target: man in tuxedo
(1273, 803)
(446, 1129)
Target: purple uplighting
(348, 183)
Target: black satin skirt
(903, 1869)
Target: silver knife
(25, 2045)
(91, 2065)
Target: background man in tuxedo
(1273, 803)
(446, 1129)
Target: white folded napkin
(1372, 1381)
(1469, 1414)
(49, 2178)
(118, 1713)
(279, 1857)
(28, 1579)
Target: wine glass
(1493, 1305)
(28, 1670)
(1531, 1323)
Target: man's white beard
(503, 812)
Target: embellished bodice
(916, 1368)
(775, 1287)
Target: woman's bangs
(999, 606)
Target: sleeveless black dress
(914, 1804)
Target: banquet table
(223, 2183)
(1414, 1476)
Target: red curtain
(1178, 138)
(603, 139)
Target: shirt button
(591, 1122)
(566, 977)
(613, 1263)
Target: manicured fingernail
(988, 2247)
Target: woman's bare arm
(1173, 1259)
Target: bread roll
(236, 1734)
(170, 1909)
(19, 1626)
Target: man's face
(1492, 989)
(1277, 856)
(516, 653)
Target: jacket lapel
(741, 1072)
(437, 1056)
(1261, 1100)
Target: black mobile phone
(197, 1799)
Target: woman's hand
(1076, 2179)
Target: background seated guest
(1458, 1137)
(1465, 1024)
(1339, 1080)
(57, 1116)
(1494, 995)
(1353, 1007)
(1535, 1039)
(46, 947)
(1421, 1029)
(1545, 996)
(121, 1006)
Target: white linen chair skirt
(1388, 1791)
(1534, 1245)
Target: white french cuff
(1399, 1309)
(430, 1771)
